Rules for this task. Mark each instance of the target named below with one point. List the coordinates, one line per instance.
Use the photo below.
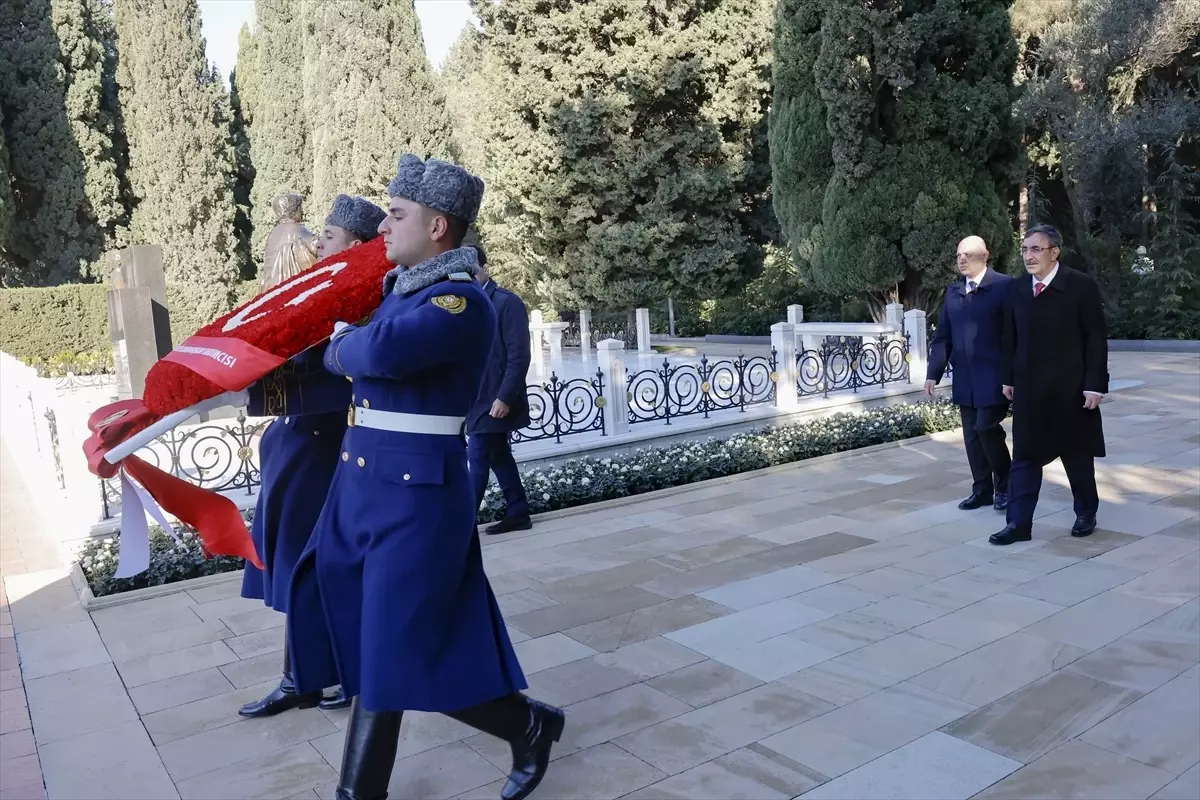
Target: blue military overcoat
(297, 454)
(504, 378)
(969, 336)
(390, 599)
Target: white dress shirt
(977, 280)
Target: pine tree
(67, 198)
(917, 101)
(280, 144)
(180, 163)
(626, 147)
(371, 96)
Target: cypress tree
(180, 163)
(280, 142)
(626, 147)
(67, 202)
(241, 93)
(6, 203)
(371, 96)
(916, 98)
(466, 98)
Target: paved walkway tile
(835, 629)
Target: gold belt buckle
(350, 417)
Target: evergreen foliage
(370, 95)
(6, 198)
(916, 99)
(625, 147)
(467, 100)
(180, 163)
(67, 205)
(1112, 113)
(280, 130)
(243, 94)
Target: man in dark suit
(502, 406)
(1056, 374)
(968, 336)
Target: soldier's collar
(406, 280)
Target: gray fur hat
(357, 215)
(439, 185)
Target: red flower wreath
(227, 355)
(239, 348)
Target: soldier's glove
(341, 329)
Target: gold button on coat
(362, 462)
(407, 476)
(366, 403)
(345, 456)
(287, 420)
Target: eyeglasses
(1035, 251)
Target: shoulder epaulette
(461, 276)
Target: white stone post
(611, 355)
(585, 329)
(538, 358)
(643, 330)
(554, 333)
(918, 350)
(783, 339)
(893, 314)
(795, 314)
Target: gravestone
(139, 324)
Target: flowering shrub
(170, 561)
(590, 480)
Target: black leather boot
(531, 729)
(369, 754)
(283, 697)
(339, 700)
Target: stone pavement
(836, 629)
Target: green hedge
(51, 323)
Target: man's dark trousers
(1025, 483)
(987, 451)
(492, 452)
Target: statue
(291, 247)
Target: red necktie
(1037, 288)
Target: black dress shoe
(975, 501)
(1084, 525)
(339, 700)
(531, 729)
(1010, 534)
(1001, 501)
(282, 698)
(509, 524)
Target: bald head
(972, 256)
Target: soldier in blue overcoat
(298, 453)
(390, 598)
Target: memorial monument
(139, 323)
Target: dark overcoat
(507, 367)
(969, 337)
(390, 599)
(298, 453)
(1055, 348)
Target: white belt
(401, 422)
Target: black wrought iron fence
(680, 390)
(219, 456)
(572, 336)
(852, 362)
(559, 408)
